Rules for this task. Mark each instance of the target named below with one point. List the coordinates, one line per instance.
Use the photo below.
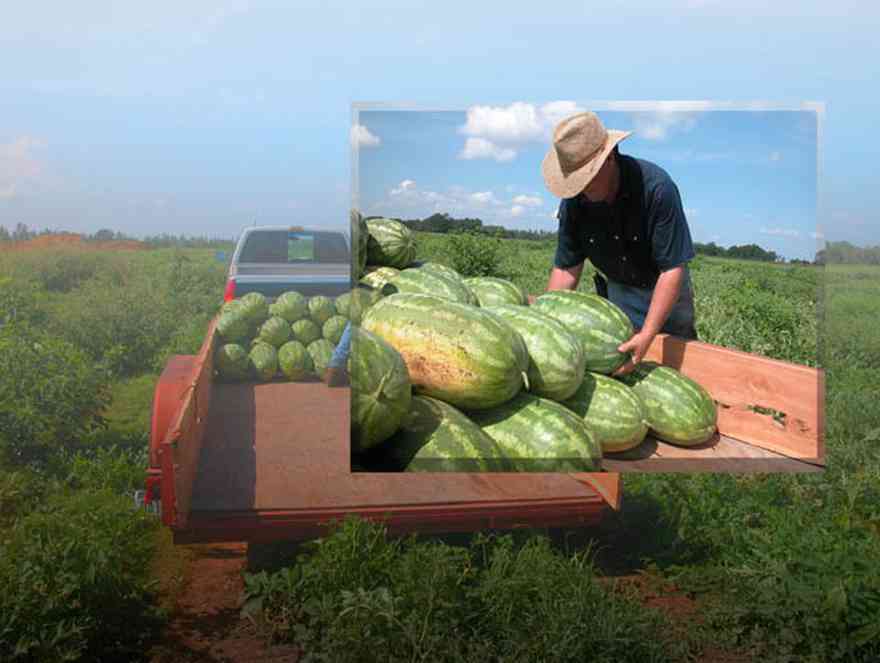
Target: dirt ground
(205, 625)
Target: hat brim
(570, 185)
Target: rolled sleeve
(671, 242)
(569, 248)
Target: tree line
(22, 233)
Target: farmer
(625, 215)
(336, 374)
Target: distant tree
(21, 232)
(103, 235)
(4, 234)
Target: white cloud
(495, 132)
(780, 232)
(517, 210)
(484, 198)
(529, 201)
(19, 164)
(361, 137)
(817, 235)
(775, 156)
(691, 213)
(403, 187)
(480, 148)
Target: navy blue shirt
(664, 219)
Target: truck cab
(274, 259)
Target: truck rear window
(286, 247)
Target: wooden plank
(739, 381)
(721, 454)
(607, 484)
(187, 432)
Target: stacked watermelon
(461, 374)
(293, 338)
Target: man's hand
(637, 345)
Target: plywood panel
(739, 381)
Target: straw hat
(580, 146)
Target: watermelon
(540, 435)
(454, 352)
(291, 306)
(233, 326)
(611, 410)
(362, 298)
(294, 360)
(436, 437)
(417, 280)
(490, 291)
(448, 272)
(390, 243)
(678, 410)
(231, 362)
(556, 356)
(362, 236)
(321, 309)
(439, 268)
(321, 352)
(275, 331)
(380, 389)
(342, 303)
(305, 331)
(263, 361)
(333, 329)
(231, 306)
(377, 277)
(255, 307)
(600, 325)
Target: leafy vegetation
(784, 567)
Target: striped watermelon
(416, 280)
(436, 437)
(556, 356)
(377, 277)
(381, 391)
(540, 435)
(390, 243)
(333, 328)
(305, 331)
(294, 360)
(342, 303)
(362, 236)
(490, 291)
(677, 409)
(611, 410)
(362, 298)
(448, 272)
(321, 309)
(454, 352)
(438, 268)
(601, 326)
(321, 352)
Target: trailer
(270, 462)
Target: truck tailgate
(261, 462)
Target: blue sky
(201, 117)
(744, 175)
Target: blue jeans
(340, 354)
(635, 302)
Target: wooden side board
(740, 381)
(187, 431)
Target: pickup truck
(268, 462)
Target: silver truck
(274, 259)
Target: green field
(784, 568)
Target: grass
(785, 567)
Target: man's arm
(662, 300)
(566, 278)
